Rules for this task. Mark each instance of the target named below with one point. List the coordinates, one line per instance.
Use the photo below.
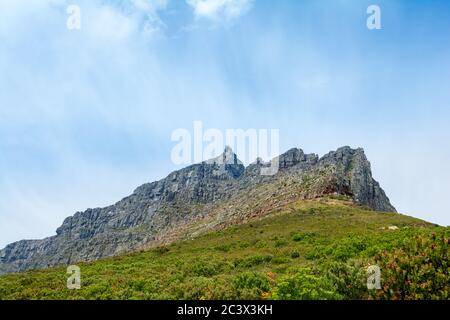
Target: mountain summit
(210, 195)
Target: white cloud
(69, 101)
(150, 6)
(114, 19)
(220, 9)
(111, 24)
(142, 14)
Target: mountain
(198, 199)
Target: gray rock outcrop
(209, 195)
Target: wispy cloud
(119, 19)
(71, 100)
(87, 115)
(220, 9)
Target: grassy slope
(245, 261)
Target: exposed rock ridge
(221, 191)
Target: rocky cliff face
(199, 198)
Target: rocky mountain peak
(294, 157)
(227, 164)
(207, 195)
(227, 157)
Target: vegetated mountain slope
(203, 197)
(308, 249)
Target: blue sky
(87, 115)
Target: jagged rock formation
(199, 198)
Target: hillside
(198, 199)
(307, 249)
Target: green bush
(314, 254)
(250, 285)
(419, 270)
(301, 236)
(199, 288)
(295, 254)
(206, 268)
(223, 248)
(254, 260)
(304, 286)
(100, 291)
(349, 279)
(347, 248)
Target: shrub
(349, 279)
(250, 285)
(198, 288)
(206, 268)
(420, 269)
(100, 291)
(304, 286)
(347, 248)
(253, 260)
(314, 254)
(300, 236)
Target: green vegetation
(311, 250)
(420, 269)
